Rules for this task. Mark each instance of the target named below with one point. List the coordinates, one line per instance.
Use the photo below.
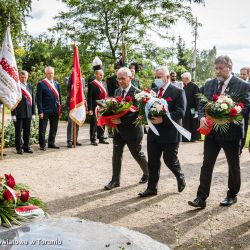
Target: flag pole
(2, 139)
(74, 134)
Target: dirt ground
(71, 183)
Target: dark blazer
(176, 100)
(112, 85)
(127, 128)
(46, 100)
(236, 87)
(23, 109)
(93, 95)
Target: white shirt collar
(127, 89)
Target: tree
(99, 25)
(205, 65)
(17, 10)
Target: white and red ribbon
(101, 88)
(26, 93)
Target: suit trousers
(53, 121)
(169, 151)
(135, 147)
(94, 129)
(70, 131)
(212, 148)
(22, 125)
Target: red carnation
(144, 100)
(147, 90)
(241, 105)
(233, 112)
(119, 99)
(215, 98)
(163, 109)
(169, 99)
(25, 195)
(102, 95)
(128, 98)
(10, 181)
(7, 195)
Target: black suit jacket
(93, 95)
(236, 87)
(112, 85)
(127, 128)
(23, 109)
(46, 100)
(176, 100)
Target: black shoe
(111, 136)
(228, 201)
(144, 179)
(103, 142)
(94, 143)
(78, 144)
(19, 151)
(28, 151)
(69, 145)
(53, 146)
(181, 183)
(147, 193)
(42, 148)
(111, 185)
(197, 202)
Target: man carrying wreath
(229, 140)
(127, 134)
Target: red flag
(77, 104)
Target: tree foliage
(100, 25)
(17, 10)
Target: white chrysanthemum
(238, 108)
(158, 107)
(224, 106)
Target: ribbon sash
(101, 88)
(180, 129)
(55, 92)
(27, 94)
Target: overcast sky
(225, 24)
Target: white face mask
(159, 83)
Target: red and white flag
(10, 91)
(77, 105)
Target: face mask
(159, 83)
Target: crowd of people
(184, 108)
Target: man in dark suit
(167, 143)
(23, 114)
(96, 91)
(224, 83)
(49, 108)
(112, 83)
(128, 134)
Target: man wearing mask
(167, 143)
(96, 91)
(128, 134)
(23, 114)
(49, 108)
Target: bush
(9, 133)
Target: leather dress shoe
(147, 193)
(28, 151)
(53, 146)
(69, 145)
(197, 202)
(181, 183)
(144, 179)
(94, 143)
(19, 151)
(42, 148)
(111, 185)
(103, 142)
(78, 144)
(228, 201)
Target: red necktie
(220, 88)
(160, 94)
